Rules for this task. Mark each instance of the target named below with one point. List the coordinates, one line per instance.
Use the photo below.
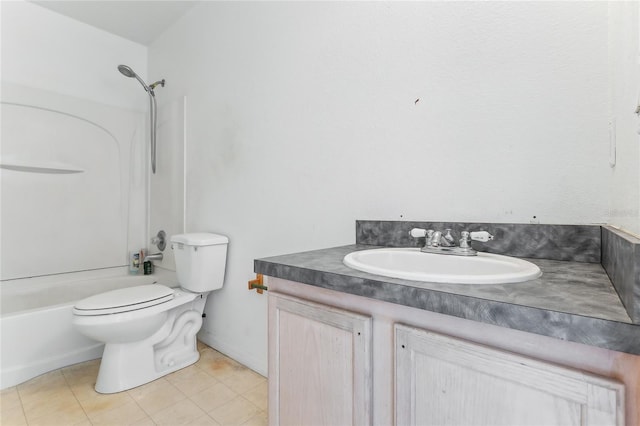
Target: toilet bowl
(150, 331)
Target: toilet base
(119, 374)
(128, 365)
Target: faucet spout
(439, 239)
(155, 256)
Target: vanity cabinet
(440, 380)
(388, 364)
(319, 364)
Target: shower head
(128, 72)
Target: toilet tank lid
(200, 239)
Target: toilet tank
(200, 260)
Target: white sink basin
(412, 264)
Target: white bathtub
(36, 335)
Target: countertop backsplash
(577, 243)
(621, 260)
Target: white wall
(53, 57)
(304, 117)
(624, 76)
(49, 51)
(166, 186)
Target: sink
(412, 264)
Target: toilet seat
(124, 300)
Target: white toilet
(150, 330)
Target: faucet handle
(418, 233)
(465, 239)
(160, 240)
(482, 236)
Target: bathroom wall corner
(621, 260)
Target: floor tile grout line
(236, 397)
(24, 414)
(140, 407)
(253, 388)
(169, 383)
(64, 376)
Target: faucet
(437, 239)
(155, 256)
(439, 243)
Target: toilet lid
(124, 300)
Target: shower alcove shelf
(52, 169)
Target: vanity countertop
(571, 301)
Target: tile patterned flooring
(214, 391)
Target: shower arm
(159, 82)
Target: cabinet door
(441, 380)
(319, 364)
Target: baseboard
(259, 365)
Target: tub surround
(621, 260)
(573, 300)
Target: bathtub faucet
(155, 256)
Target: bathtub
(36, 334)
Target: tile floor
(214, 391)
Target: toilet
(150, 331)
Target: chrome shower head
(128, 72)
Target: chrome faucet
(155, 256)
(439, 243)
(438, 239)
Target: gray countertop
(571, 300)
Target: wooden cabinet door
(441, 380)
(319, 364)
